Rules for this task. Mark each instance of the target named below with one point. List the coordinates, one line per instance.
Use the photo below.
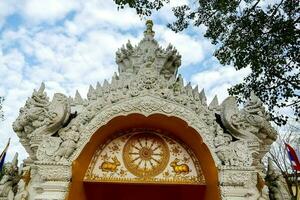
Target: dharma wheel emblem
(146, 154)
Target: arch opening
(177, 128)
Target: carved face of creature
(8, 168)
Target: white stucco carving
(39, 118)
(55, 132)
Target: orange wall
(177, 127)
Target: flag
(3, 154)
(293, 157)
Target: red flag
(293, 157)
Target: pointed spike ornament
(129, 45)
(196, 90)
(91, 93)
(214, 104)
(189, 89)
(15, 160)
(99, 90)
(114, 81)
(98, 86)
(115, 77)
(42, 88)
(91, 90)
(196, 93)
(106, 87)
(105, 83)
(180, 80)
(78, 99)
(189, 86)
(203, 97)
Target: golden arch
(173, 125)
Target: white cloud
(193, 50)
(216, 79)
(7, 8)
(36, 11)
(96, 14)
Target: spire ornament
(149, 33)
(148, 54)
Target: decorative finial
(149, 32)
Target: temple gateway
(144, 135)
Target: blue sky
(71, 44)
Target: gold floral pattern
(144, 156)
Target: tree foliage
(259, 34)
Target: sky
(69, 45)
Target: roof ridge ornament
(148, 53)
(149, 33)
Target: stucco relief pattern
(145, 105)
(145, 156)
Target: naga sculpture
(40, 117)
(250, 122)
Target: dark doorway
(118, 191)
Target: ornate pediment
(144, 156)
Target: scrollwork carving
(52, 172)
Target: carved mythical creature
(70, 138)
(179, 168)
(277, 190)
(9, 179)
(249, 123)
(40, 117)
(110, 166)
(234, 153)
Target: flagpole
(5, 149)
(3, 154)
(294, 170)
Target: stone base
(51, 190)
